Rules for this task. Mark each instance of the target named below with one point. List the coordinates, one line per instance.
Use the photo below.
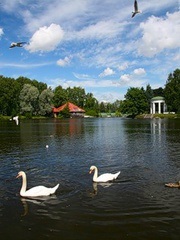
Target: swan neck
(95, 174)
(24, 184)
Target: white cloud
(100, 30)
(159, 34)
(63, 62)
(139, 71)
(123, 66)
(24, 65)
(46, 39)
(107, 72)
(1, 32)
(82, 76)
(130, 80)
(125, 78)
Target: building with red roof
(74, 110)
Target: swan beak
(90, 171)
(18, 176)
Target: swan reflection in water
(40, 201)
(95, 187)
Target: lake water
(135, 206)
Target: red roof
(71, 106)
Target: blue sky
(92, 44)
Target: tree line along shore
(32, 99)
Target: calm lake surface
(135, 206)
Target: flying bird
(17, 44)
(16, 119)
(135, 9)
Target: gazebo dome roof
(157, 98)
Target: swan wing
(106, 177)
(135, 6)
(133, 14)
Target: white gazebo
(158, 105)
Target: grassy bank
(159, 116)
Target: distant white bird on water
(17, 44)
(38, 191)
(135, 9)
(106, 177)
(16, 119)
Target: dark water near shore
(136, 206)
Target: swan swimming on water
(173, 185)
(37, 191)
(106, 177)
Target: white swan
(106, 177)
(37, 191)
(135, 9)
(16, 119)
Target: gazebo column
(159, 107)
(154, 108)
(151, 110)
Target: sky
(92, 44)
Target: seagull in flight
(17, 44)
(135, 9)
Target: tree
(91, 105)
(172, 91)
(9, 96)
(60, 96)
(76, 95)
(135, 102)
(102, 107)
(149, 95)
(29, 100)
(158, 92)
(45, 102)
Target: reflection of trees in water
(70, 127)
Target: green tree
(60, 96)
(24, 80)
(135, 102)
(158, 92)
(149, 95)
(29, 100)
(76, 95)
(102, 107)
(91, 105)
(172, 91)
(45, 102)
(65, 113)
(9, 96)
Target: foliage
(29, 99)
(149, 93)
(45, 99)
(158, 92)
(76, 95)
(92, 113)
(135, 102)
(65, 113)
(91, 103)
(8, 96)
(172, 91)
(60, 96)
